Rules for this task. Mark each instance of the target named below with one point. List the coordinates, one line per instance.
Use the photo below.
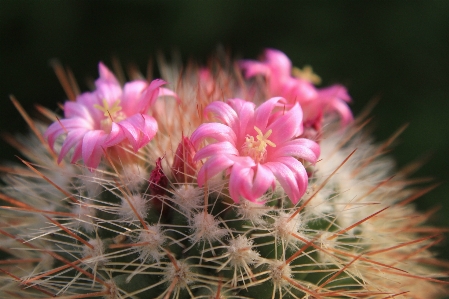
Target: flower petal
(64, 126)
(139, 129)
(286, 178)
(213, 166)
(223, 112)
(345, 112)
(239, 182)
(263, 179)
(286, 126)
(302, 148)
(245, 114)
(217, 131)
(92, 148)
(219, 148)
(302, 179)
(73, 139)
(149, 95)
(264, 111)
(132, 93)
(106, 76)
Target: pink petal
(165, 92)
(239, 182)
(75, 109)
(301, 148)
(345, 112)
(263, 179)
(302, 179)
(63, 126)
(286, 178)
(217, 131)
(213, 166)
(92, 149)
(280, 64)
(109, 91)
(73, 139)
(131, 132)
(335, 92)
(77, 152)
(335, 98)
(115, 136)
(149, 96)
(276, 66)
(88, 100)
(53, 132)
(223, 112)
(107, 88)
(300, 90)
(132, 92)
(219, 148)
(253, 68)
(263, 112)
(245, 113)
(139, 129)
(286, 126)
(106, 76)
(149, 129)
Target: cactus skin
(143, 230)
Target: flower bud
(184, 168)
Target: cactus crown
(221, 186)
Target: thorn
(380, 150)
(47, 113)
(417, 195)
(63, 79)
(118, 70)
(49, 181)
(340, 271)
(31, 124)
(320, 187)
(355, 224)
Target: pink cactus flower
(316, 103)
(255, 147)
(106, 117)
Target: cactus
(229, 181)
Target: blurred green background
(395, 50)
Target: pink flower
(106, 117)
(256, 147)
(316, 103)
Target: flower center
(257, 149)
(111, 114)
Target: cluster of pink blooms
(106, 117)
(254, 147)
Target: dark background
(395, 50)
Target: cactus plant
(235, 180)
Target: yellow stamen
(111, 114)
(263, 139)
(307, 74)
(257, 149)
(109, 111)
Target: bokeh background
(397, 51)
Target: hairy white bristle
(151, 240)
(134, 207)
(206, 227)
(188, 197)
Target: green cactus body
(109, 233)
